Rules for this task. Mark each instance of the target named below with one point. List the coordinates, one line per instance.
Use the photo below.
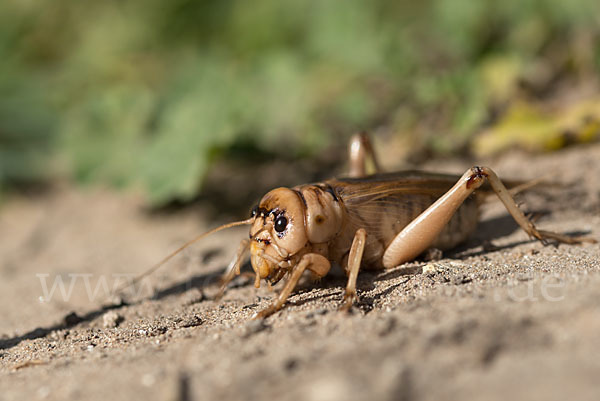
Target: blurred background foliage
(149, 94)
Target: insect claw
(349, 299)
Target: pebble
(58, 335)
(111, 319)
(190, 321)
(431, 268)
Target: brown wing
(413, 182)
(386, 184)
(384, 203)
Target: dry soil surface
(502, 317)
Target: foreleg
(233, 269)
(314, 262)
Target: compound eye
(254, 211)
(280, 223)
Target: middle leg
(354, 260)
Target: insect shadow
(199, 281)
(494, 228)
(68, 322)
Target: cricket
(376, 221)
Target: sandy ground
(500, 318)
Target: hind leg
(423, 230)
(360, 152)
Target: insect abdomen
(385, 217)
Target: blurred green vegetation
(148, 93)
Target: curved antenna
(181, 248)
